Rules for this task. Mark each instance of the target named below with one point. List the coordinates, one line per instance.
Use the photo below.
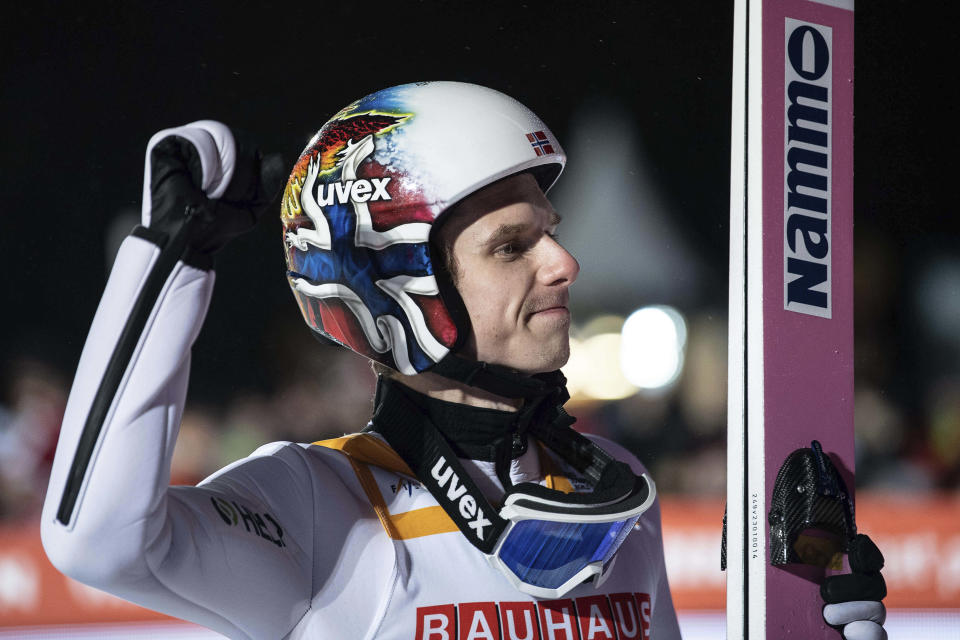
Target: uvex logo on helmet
(331, 145)
(361, 190)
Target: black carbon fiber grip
(810, 499)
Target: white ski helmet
(364, 196)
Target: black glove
(205, 185)
(853, 600)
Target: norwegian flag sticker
(540, 143)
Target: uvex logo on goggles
(449, 480)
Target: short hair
(444, 249)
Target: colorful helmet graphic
(364, 195)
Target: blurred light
(652, 348)
(938, 297)
(608, 323)
(703, 382)
(606, 381)
(592, 371)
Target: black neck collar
(473, 432)
(501, 380)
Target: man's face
(512, 274)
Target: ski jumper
(329, 540)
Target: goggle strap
(410, 433)
(503, 454)
(574, 448)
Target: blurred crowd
(325, 396)
(678, 432)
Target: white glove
(853, 600)
(206, 171)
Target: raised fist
(204, 185)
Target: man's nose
(560, 267)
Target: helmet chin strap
(501, 380)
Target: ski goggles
(549, 547)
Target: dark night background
(84, 88)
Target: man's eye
(507, 249)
